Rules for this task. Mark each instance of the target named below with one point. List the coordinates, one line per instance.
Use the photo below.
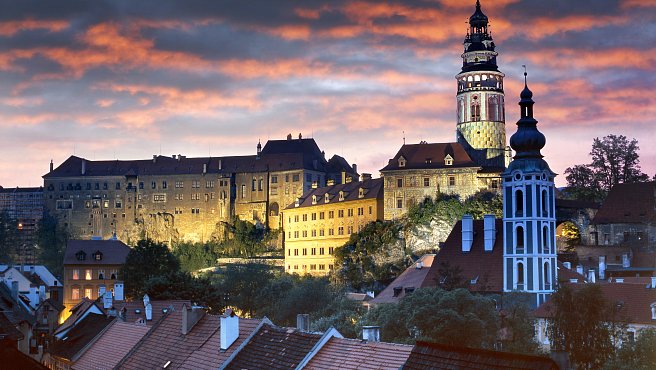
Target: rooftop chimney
(289, 136)
(365, 176)
(190, 316)
(579, 269)
(229, 328)
(149, 312)
(220, 164)
(14, 290)
(107, 300)
(467, 232)
(591, 276)
(355, 168)
(300, 136)
(371, 333)
(343, 177)
(84, 167)
(653, 282)
(118, 291)
(602, 267)
(568, 265)
(490, 231)
(146, 300)
(204, 168)
(101, 290)
(154, 158)
(259, 148)
(303, 322)
(52, 165)
(626, 262)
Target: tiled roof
(373, 189)
(635, 301)
(337, 164)
(274, 348)
(438, 356)
(8, 329)
(77, 312)
(13, 311)
(198, 349)
(430, 156)
(628, 203)
(158, 307)
(341, 353)
(12, 358)
(412, 277)
(21, 190)
(565, 274)
(114, 252)
(80, 335)
(485, 267)
(112, 346)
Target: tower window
(545, 239)
(519, 203)
(547, 276)
(545, 205)
(475, 112)
(519, 238)
(520, 276)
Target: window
(101, 274)
(340, 213)
(305, 251)
(452, 180)
(331, 232)
(426, 181)
(520, 276)
(105, 186)
(320, 232)
(519, 203)
(253, 184)
(305, 233)
(296, 177)
(350, 212)
(75, 294)
(209, 184)
(340, 230)
(322, 251)
(341, 196)
(243, 190)
(361, 211)
(159, 198)
(88, 292)
(475, 111)
(371, 209)
(545, 205)
(399, 203)
(164, 185)
(519, 237)
(118, 204)
(326, 198)
(274, 179)
(76, 274)
(349, 230)
(321, 215)
(331, 250)
(547, 276)
(401, 161)
(305, 217)
(296, 252)
(331, 214)
(179, 196)
(653, 311)
(545, 239)
(87, 274)
(314, 233)
(448, 160)
(495, 184)
(179, 184)
(322, 267)
(153, 185)
(97, 256)
(118, 186)
(141, 185)
(296, 234)
(313, 251)
(314, 216)
(399, 182)
(313, 267)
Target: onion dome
(478, 19)
(527, 141)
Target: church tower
(481, 116)
(529, 211)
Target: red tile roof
(439, 356)
(82, 334)
(12, 358)
(77, 312)
(345, 354)
(635, 301)
(628, 203)
(429, 156)
(486, 267)
(112, 346)
(159, 308)
(113, 252)
(412, 277)
(198, 349)
(274, 348)
(373, 189)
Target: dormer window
(298, 202)
(361, 193)
(326, 198)
(80, 256)
(341, 196)
(97, 256)
(448, 160)
(401, 161)
(314, 199)
(653, 311)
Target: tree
(182, 285)
(242, 283)
(517, 324)
(51, 239)
(146, 260)
(583, 325)
(615, 160)
(248, 239)
(195, 256)
(636, 355)
(8, 237)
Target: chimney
(84, 167)
(42, 293)
(289, 136)
(355, 168)
(653, 282)
(52, 165)
(467, 232)
(190, 316)
(626, 262)
(229, 328)
(220, 164)
(101, 290)
(303, 322)
(149, 312)
(204, 168)
(568, 265)
(118, 291)
(602, 267)
(146, 300)
(343, 177)
(300, 136)
(365, 176)
(591, 276)
(107, 300)
(490, 231)
(259, 148)
(419, 265)
(14, 290)
(154, 158)
(371, 333)
(579, 269)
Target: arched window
(519, 237)
(545, 239)
(519, 203)
(274, 209)
(475, 111)
(547, 276)
(520, 276)
(545, 204)
(493, 109)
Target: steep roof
(485, 267)
(159, 307)
(439, 356)
(412, 277)
(114, 252)
(345, 354)
(274, 348)
(628, 203)
(198, 349)
(430, 156)
(633, 300)
(373, 188)
(77, 312)
(12, 358)
(112, 346)
(8, 329)
(80, 335)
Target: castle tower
(529, 211)
(481, 116)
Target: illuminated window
(475, 111)
(75, 294)
(426, 181)
(88, 292)
(76, 274)
(87, 274)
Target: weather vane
(524, 65)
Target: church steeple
(527, 141)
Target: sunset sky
(129, 79)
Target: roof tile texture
(111, 347)
(339, 353)
(628, 203)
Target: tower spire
(528, 140)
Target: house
(414, 277)
(92, 267)
(111, 346)
(69, 347)
(354, 354)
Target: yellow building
(324, 218)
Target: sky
(126, 79)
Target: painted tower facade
(480, 100)
(529, 219)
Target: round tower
(481, 128)
(529, 211)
